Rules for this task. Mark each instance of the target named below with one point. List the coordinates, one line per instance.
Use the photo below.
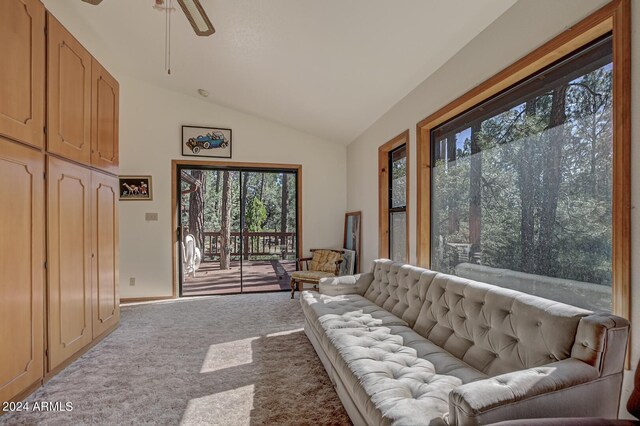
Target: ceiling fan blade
(197, 17)
(93, 2)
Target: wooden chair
(324, 263)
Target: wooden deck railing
(253, 244)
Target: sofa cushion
(396, 376)
(496, 330)
(344, 311)
(400, 289)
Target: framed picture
(135, 188)
(206, 142)
(347, 267)
(353, 235)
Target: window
(393, 167)
(523, 182)
(398, 204)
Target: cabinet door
(22, 44)
(105, 277)
(69, 251)
(21, 268)
(69, 95)
(104, 119)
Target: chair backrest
(325, 261)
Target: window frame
(613, 18)
(384, 192)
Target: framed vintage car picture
(206, 142)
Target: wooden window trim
(614, 17)
(383, 193)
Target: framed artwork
(206, 142)
(353, 235)
(135, 188)
(347, 267)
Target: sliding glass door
(239, 229)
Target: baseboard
(143, 299)
(51, 374)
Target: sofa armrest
(546, 391)
(347, 284)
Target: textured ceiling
(329, 68)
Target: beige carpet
(220, 360)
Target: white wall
(527, 25)
(150, 134)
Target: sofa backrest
(400, 289)
(496, 330)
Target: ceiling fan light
(93, 2)
(197, 17)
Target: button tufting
(539, 323)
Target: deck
(258, 275)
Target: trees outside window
(522, 184)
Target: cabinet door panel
(105, 277)
(104, 119)
(69, 95)
(21, 268)
(69, 249)
(22, 45)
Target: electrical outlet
(151, 217)
(132, 281)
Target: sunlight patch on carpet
(232, 407)
(227, 355)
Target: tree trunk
(225, 223)
(261, 186)
(284, 208)
(527, 195)
(245, 228)
(454, 214)
(196, 210)
(551, 178)
(475, 192)
(216, 203)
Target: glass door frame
(176, 195)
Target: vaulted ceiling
(327, 67)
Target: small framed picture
(135, 188)
(206, 142)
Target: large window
(522, 186)
(524, 181)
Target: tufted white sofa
(409, 346)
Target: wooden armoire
(59, 191)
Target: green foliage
(256, 215)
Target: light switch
(151, 217)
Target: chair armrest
(347, 284)
(545, 391)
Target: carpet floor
(219, 360)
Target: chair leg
(293, 286)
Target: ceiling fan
(192, 9)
